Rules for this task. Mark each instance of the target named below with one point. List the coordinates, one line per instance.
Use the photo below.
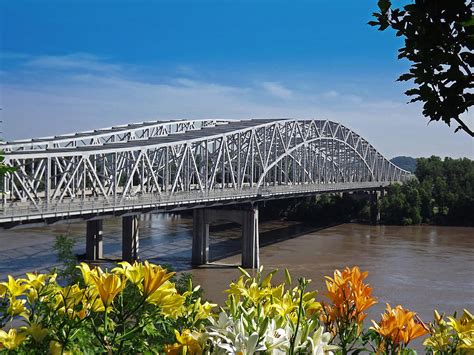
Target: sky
(68, 66)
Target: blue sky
(78, 65)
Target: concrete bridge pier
(375, 197)
(130, 242)
(200, 248)
(247, 218)
(94, 243)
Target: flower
(464, 327)
(15, 287)
(108, 286)
(168, 298)
(12, 339)
(87, 273)
(35, 280)
(55, 348)
(153, 277)
(349, 294)
(17, 307)
(398, 325)
(37, 332)
(320, 343)
(187, 342)
(133, 273)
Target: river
(420, 267)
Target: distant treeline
(442, 193)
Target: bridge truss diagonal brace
(247, 218)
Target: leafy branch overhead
(439, 43)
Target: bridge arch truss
(174, 162)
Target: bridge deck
(25, 213)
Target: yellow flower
(153, 277)
(15, 287)
(92, 301)
(398, 325)
(168, 298)
(55, 348)
(37, 332)
(17, 307)
(69, 301)
(134, 273)
(87, 273)
(3, 290)
(36, 280)
(203, 311)
(464, 328)
(12, 339)
(108, 286)
(187, 343)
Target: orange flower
(349, 294)
(399, 326)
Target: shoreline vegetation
(144, 308)
(441, 194)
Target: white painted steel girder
(162, 162)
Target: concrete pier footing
(130, 241)
(247, 218)
(94, 243)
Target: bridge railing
(18, 211)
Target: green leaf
(287, 277)
(384, 5)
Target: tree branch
(464, 127)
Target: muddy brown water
(420, 267)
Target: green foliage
(447, 190)
(443, 194)
(64, 250)
(439, 42)
(402, 204)
(319, 210)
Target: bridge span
(185, 164)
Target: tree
(439, 43)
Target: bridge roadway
(185, 164)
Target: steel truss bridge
(184, 164)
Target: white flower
(320, 343)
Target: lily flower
(108, 286)
(187, 343)
(12, 339)
(153, 277)
(399, 326)
(15, 287)
(37, 332)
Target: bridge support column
(130, 242)
(200, 249)
(250, 239)
(247, 218)
(94, 249)
(375, 206)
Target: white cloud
(277, 89)
(102, 98)
(76, 61)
